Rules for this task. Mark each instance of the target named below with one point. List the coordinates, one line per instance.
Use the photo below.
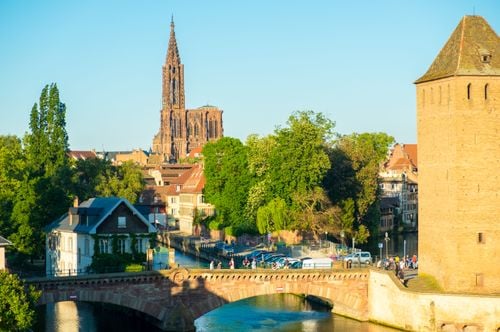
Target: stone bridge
(173, 299)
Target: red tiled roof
(411, 150)
(196, 152)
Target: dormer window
(485, 57)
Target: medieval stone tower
(458, 113)
(182, 130)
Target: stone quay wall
(390, 303)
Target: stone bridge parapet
(173, 299)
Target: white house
(71, 239)
(3, 243)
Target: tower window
(468, 91)
(480, 237)
(485, 91)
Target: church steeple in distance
(182, 130)
(173, 74)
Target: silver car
(363, 257)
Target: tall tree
(356, 162)
(228, 181)
(46, 184)
(299, 161)
(12, 166)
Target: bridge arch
(175, 298)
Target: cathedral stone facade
(181, 129)
(458, 105)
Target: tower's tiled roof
(472, 49)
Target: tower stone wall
(459, 167)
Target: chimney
(73, 212)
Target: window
(139, 246)
(485, 58)
(480, 237)
(86, 247)
(122, 222)
(468, 91)
(103, 246)
(79, 256)
(479, 279)
(70, 244)
(122, 245)
(485, 91)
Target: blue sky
(259, 60)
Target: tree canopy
(228, 181)
(17, 303)
(38, 180)
(303, 177)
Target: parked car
(256, 254)
(363, 257)
(317, 263)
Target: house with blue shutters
(72, 240)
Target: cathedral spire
(173, 51)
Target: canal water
(279, 312)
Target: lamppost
(386, 245)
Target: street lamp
(386, 245)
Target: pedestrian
(254, 264)
(231, 264)
(246, 262)
(212, 264)
(414, 261)
(219, 265)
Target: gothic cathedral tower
(182, 130)
(458, 113)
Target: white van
(317, 263)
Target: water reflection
(71, 316)
(282, 313)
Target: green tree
(47, 145)
(299, 162)
(273, 217)
(12, 166)
(17, 303)
(125, 181)
(87, 175)
(356, 160)
(227, 182)
(45, 189)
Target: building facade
(458, 105)
(398, 178)
(96, 223)
(181, 129)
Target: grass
(424, 283)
